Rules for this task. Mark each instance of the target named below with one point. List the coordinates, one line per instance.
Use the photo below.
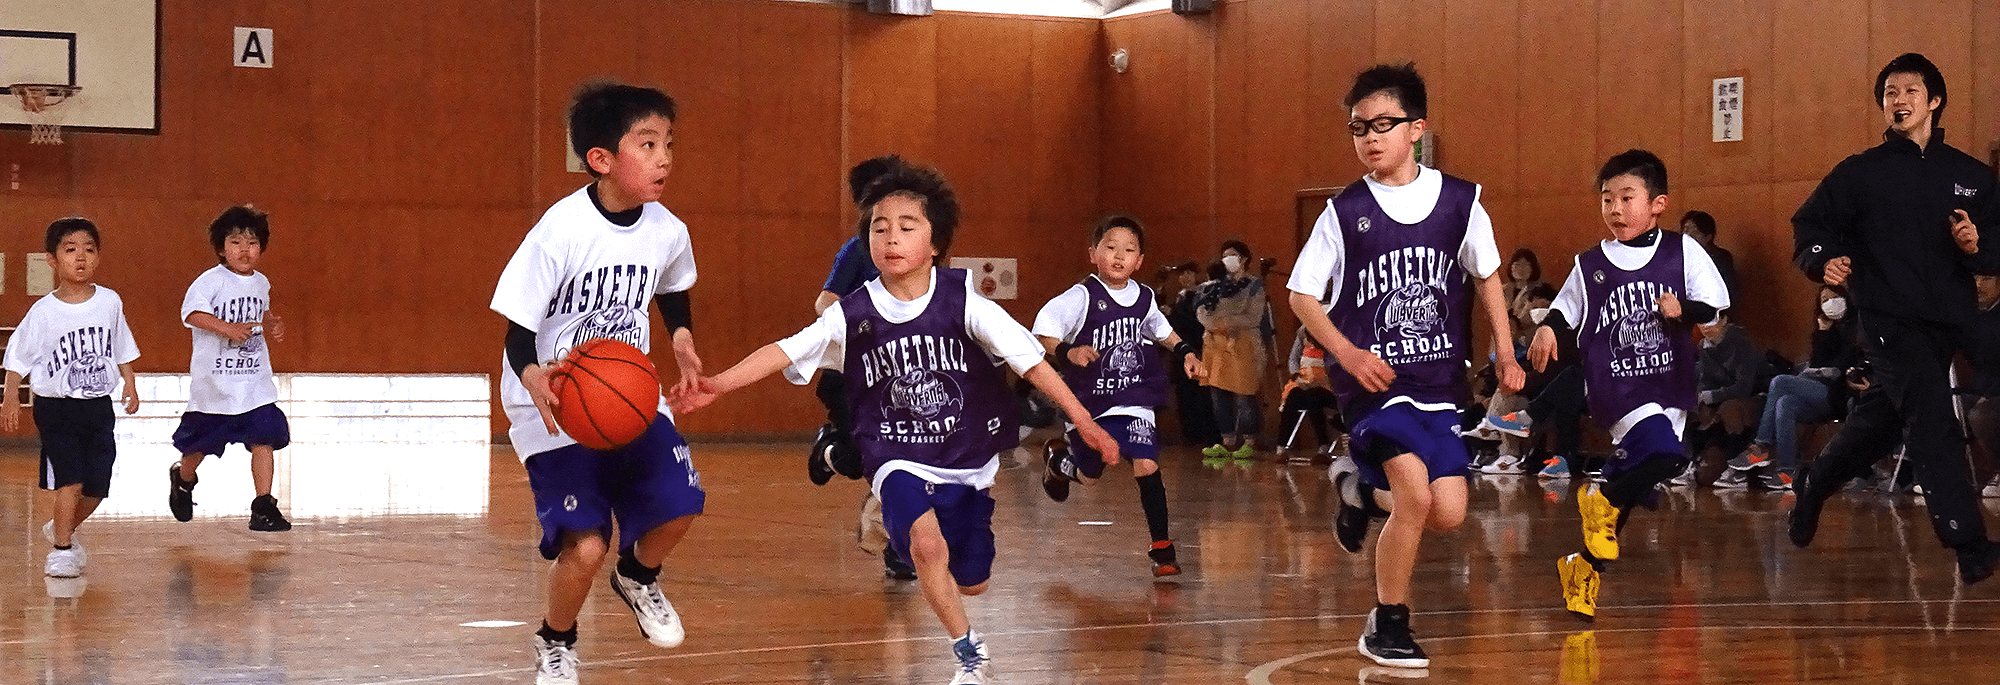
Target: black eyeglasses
(1359, 128)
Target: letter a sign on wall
(253, 47)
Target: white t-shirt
(823, 345)
(1322, 265)
(72, 350)
(1062, 318)
(227, 378)
(578, 276)
(1704, 285)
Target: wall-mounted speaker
(1193, 6)
(915, 8)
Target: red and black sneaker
(1165, 562)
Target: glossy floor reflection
(399, 549)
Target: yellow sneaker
(1580, 663)
(1579, 583)
(1600, 523)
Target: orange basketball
(607, 393)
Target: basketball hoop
(39, 100)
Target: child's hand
(1194, 368)
(1082, 355)
(1373, 373)
(1094, 436)
(131, 399)
(686, 359)
(1670, 306)
(1511, 375)
(691, 394)
(10, 413)
(536, 380)
(237, 333)
(274, 327)
(1543, 348)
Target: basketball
(607, 393)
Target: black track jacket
(1889, 209)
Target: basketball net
(40, 101)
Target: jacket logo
(1957, 189)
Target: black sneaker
(180, 494)
(265, 517)
(1977, 561)
(1053, 481)
(819, 462)
(1350, 520)
(1804, 519)
(1165, 561)
(894, 568)
(1388, 640)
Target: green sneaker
(1244, 452)
(1215, 450)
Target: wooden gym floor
(399, 547)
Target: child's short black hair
(1645, 165)
(927, 187)
(859, 176)
(1914, 63)
(603, 111)
(61, 228)
(1702, 220)
(1124, 221)
(240, 219)
(1400, 81)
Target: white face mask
(1834, 308)
(1232, 262)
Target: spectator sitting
(1727, 410)
(1983, 346)
(1817, 393)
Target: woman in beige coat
(1237, 315)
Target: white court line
(1261, 675)
(1264, 619)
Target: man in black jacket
(1898, 225)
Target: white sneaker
(657, 620)
(1506, 465)
(63, 563)
(75, 544)
(1732, 479)
(1685, 479)
(975, 666)
(555, 663)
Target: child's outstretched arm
(1046, 380)
(1511, 375)
(767, 360)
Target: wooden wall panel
(1727, 46)
(1819, 87)
(1558, 98)
(1639, 79)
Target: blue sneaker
(1555, 467)
(1513, 423)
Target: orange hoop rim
(36, 97)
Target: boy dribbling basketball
(587, 271)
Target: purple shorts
(202, 433)
(1651, 438)
(642, 485)
(1137, 439)
(1403, 429)
(964, 516)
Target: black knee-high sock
(1630, 486)
(1153, 499)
